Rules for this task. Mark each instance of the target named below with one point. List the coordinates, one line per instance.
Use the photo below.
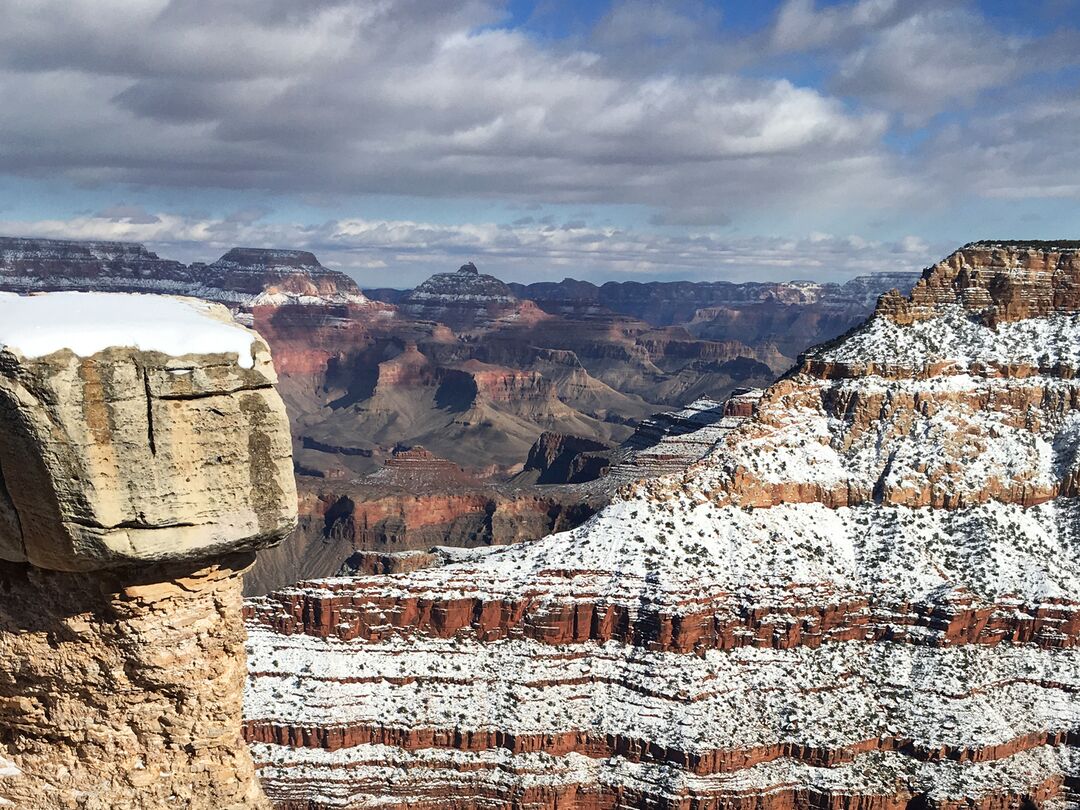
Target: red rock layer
(633, 749)
(351, 614)
(403, 515)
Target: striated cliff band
(144, 458)
(866, 595)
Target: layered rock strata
(144, 458)
(418, 501)
(413, 504)
(466, 300)
(865, 595)
(243, 277)
(791, 315)
(560, 459)
(664, 303)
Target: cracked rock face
(130, 456)
(136, 482)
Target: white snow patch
(87, 323)
(955, 336)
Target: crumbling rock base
(122, 689)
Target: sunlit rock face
(144, 457)
(866, 594)
(126, 455)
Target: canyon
(864, 594)
(466, 369)
(854, 586)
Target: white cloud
(931, 61)
(346, 99)
(801, 26)
(402, 252)
(1026, 150)
(404, 97)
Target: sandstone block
(134, 453)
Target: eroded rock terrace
(866, 594)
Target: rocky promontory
(144, 459)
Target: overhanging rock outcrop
(144, 458)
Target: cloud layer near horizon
(366, 247)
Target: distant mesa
(243, 277)
(280, 276)
(263, 259)
(463, 300)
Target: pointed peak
(469, 268)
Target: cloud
(131, 214)
(917, 58)
(409, 97)
(198, 39)
(664, 108)
(932, 61)
(1023, 150)
(404, 252)
(801, 26)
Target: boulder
(129, 455)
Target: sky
(594, 139)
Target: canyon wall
(866, 594)
(144, 459)
(791, 316)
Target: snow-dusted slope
(467, 300)
(866, 595)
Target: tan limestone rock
(128, 455)
(135, 486)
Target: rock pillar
(135, 487)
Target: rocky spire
(463, 300)
(137, 480)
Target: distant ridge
(243, 277)
(1034, 244)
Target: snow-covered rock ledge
(136, 428)
(144, 457)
